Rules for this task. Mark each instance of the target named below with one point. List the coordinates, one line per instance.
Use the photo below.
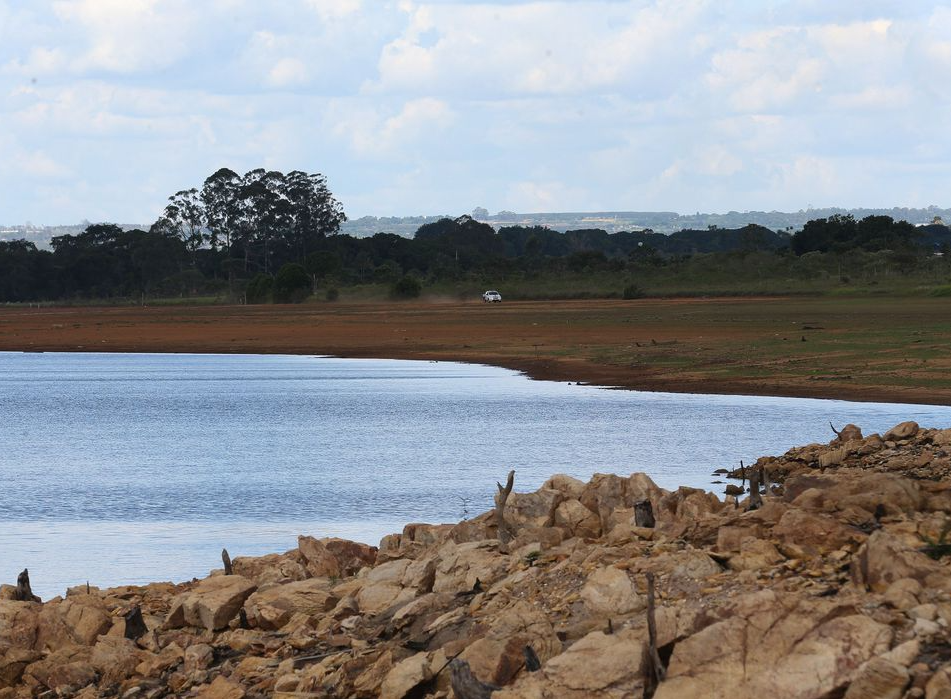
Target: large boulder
(577, 520)
(318, 559)
(499, 655)
(533, 509)
(903, 430)
(459, 566)
(766, 645)
(383, 587)
(273, 607)
(885, 559)
(272, 568)
(18, 624)
(609, 592)
(803, 534)
(13, 663)
(211, 604)
(79, 619)
(405, 676)
(68, 667)
(598, 666)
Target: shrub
(333, 294)
(408, 287)
(292, 284)
(259, 288)
(633, 291)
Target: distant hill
(657, 221)
(665, 222)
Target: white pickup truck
(492, 297)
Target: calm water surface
(138, 467)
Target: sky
(107, 107)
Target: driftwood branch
(654, 670)
(226, 559)
(833, 428)
(505, 531)
(742, 473)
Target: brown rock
(115, 658)
(275, 567)
(577, 520)
(13, 663)
(67, 667)
(18, 624)
(221, 688)
(879, 679)
(730, 537)
(86, 618)
(755, 554)
(533, 509)
(405, 676)
(318, 559)
(198, 657)
(351, 555)
(598, 665)
(848, 433)
(903, 430)
(806, 534)
(273, 607)
(459, 566)
(572, 488)
(903, 593)
(154, 665)
(610, 592)
(939, 686)
(772, 646)
(885, 558)
(211, 604)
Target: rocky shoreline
(831, 579)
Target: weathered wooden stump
(644, 514)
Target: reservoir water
(129, 468)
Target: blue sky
(109, 106)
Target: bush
(292, 284)
(408, 287)
(333, 294)
(633, 291)
(259, 288)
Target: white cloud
(287, 71)
(665, 104)
(39, 164)
(542, 47)
(128, 36)
(333, 10)
(371, 134)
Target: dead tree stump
(135, 626)
(24, 593)
(226, 559)
(644, 514)
(756, 501)
(654, 667)
(505, 531)
(465, 684)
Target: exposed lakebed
(120, 468)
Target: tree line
(266, 235)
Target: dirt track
(893, 349)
